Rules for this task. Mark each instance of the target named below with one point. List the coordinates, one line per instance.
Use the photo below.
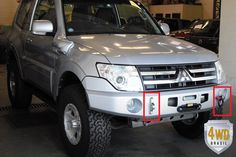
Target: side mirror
(42, 27)
(165, 27)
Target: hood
(145, 49)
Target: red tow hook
(220, 102)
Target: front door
(39, 58)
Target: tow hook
(220, 104)
(152, 105)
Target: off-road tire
(96, 127)
(192, 130)
(23, 93)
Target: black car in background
(204, 33)
(175, 24)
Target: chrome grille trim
(159, 82)
(202, 70)
(176, 81)
(204, 78)
(166, 77)
(158, 73)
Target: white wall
(228, 40)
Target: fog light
(134, 105)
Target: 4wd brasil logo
(218, 135)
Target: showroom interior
(35, 132)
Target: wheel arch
(12, 55)
(68, 78)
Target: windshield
(107, 17)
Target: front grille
(168, 77)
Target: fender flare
(71, 67)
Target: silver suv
(102, 64)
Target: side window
(46, 11)
(24, 13)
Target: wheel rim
(12, 84)
(72, 124)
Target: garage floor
(35, 134)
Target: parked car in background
(176, 24)
(204, 33)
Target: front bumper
(103, 97)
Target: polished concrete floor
(35, 134)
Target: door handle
(28, 40)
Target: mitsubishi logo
(184, 76)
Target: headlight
(124, 78)
(220, 73)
